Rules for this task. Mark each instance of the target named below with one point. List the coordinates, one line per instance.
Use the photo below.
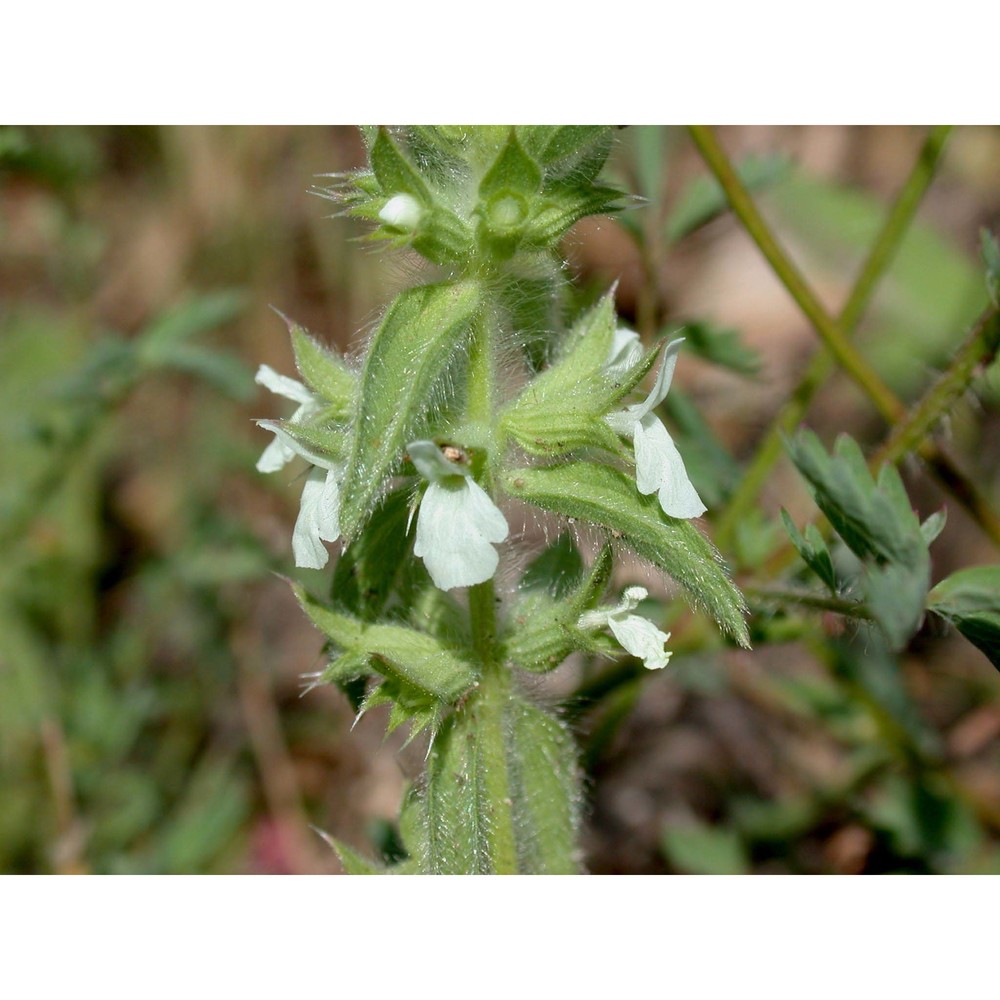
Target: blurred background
(152, 716)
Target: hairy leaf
(562, 409)
(322, 370)
(412, 349)
(412, 658)
(605, 496)
(542, 630)
(512, 171)
(556, 570)
(375, 563)
(545, 790)
(395, 173)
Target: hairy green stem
(493, 694)
(771, 595)
(492, 699)
(881, 255)
(980, 348)
(884, 399)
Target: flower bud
(402, 212)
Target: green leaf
(813, 550)
(395, 173)
(700, 849)
(870, 520)
(321, 369)
(414, 346)
(196, 316)
(562, 409)
(556, 570)
(413, 658)
(513, 171)
(576, 152)
(720, 345)
(372, 567)
(991, 258)
(545, 789)
(319, 443)
(541, 631)
(970, 600)
(564, 205)
(934, 525)
(601, 495)
(352, 862)
(543, 784)
(878, 525)
(703, 200)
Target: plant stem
(830, 333)
(479, 400)
(881, 255)
(980, 348)
(491, 699)
(491, 702)
(885, 400)
(772, 595)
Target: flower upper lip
(659, 467)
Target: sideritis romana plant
(483, 398)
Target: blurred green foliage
(115, 682)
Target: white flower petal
(311, 456)
(663, 379)
(456, 524)
(648, 461)
(318, 520)
(642, 639)
(283, 386)
(484, 514)
(631, 599)
(275, 456)
(660, 468)
(401, 211)
(623, 422)
(282, 450)
(626, 351)
(634, 633)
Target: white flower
(278, 454)
(634, 633)
(658, 465)
(457, 522)
(401, 211)
(319, 510)
(626, 351)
